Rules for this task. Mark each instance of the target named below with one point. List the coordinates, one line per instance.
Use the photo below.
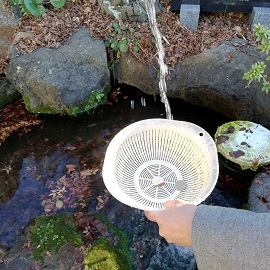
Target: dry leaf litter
(57, 25)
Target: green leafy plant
(257, 70)
(35, 7)
(50, 233)
(121, 40)
(92, 102)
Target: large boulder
(66, 80)
(211, 79)
(8, 24)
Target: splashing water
(151, 12)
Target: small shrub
(121, 40)
(257, 70)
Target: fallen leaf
(86, 172)
(59, 204)
(246, 144)
(231, 129)
(71, 148)
(238, 28)
(70, 168)
(221, 139)
(237, 154)
(26, 245)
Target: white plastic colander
(155, 160)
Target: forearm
(231, 239)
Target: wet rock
(208, 80)
(167, 255)
(23, 206)
(223, 196)
(148, 250)
(68, 257)
(19, 256)
(259, 192)
(56, 80)
(7, 92)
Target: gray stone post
(259, 15)
(189, 16)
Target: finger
(151, 215)
(174, 203)
(171, 204)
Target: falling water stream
(151, 12)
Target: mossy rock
(96, 98)
(244, 143)
(43, 109)
(50, 233)
(106, 256)
(109, 252)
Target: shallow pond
(57, 166)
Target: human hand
(175, 221)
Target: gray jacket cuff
(231, 239)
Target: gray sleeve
(231, 239)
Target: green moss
(26, 101)
(45, 109)
(7, 98)
(245, 206)
(97, 98)
(51, 233)
(107, 89)
(109, 254)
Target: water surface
(57, 166)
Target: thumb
(151, 215)
(174, 203)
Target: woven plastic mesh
(152, 161)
